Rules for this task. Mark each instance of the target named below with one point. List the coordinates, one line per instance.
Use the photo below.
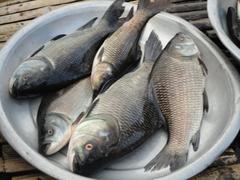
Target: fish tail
(167, 158)
(113, 13)
(153, 48)
(153, 6)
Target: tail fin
(167, 158)
(153, 48)
(114, 12)
(153, 6)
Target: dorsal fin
(38, 50)
(58, 37)
(88, 24)
(53, 39)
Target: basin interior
(22, 114)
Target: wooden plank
(10, 2)
(196, 15)
(1, 165)
(13, 162)
(220, 173)
(184, 1)
(39, 176)
(187, 7)
(24, 15)
(1, 45)
(12, 27)
(202, 24)
(16, 8)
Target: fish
(233, 26)
(121, 49)
(58, 112)
(113, 127)
(66, 58)
(179, 81)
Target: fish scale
(127, 115)
(179, 84)
(173, 85)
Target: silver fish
(179, 82)
(58, 112)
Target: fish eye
(89, 147)
(50, 132)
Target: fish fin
(233, 25)
(127, 18)
(204, 67)
(37, 51)
(42, 47)
(91, 107)
(153, 48)
(205, 102)
(113, 13)
(58, 37)
(167, 158)
(196, 140)
(88, 24)
(153, 6)
(196, 137)
(153, 98)
(79, 118)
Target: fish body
(66, 58)
(120, 119)
(179, 84)
(57, 113)
(121, 49)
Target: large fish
(57, 113)
(121, 50)
(66, 58)
(120, 119)
(178, 78)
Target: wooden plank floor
(14, 14)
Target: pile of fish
(233, 23)
(103, 102)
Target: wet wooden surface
(14, 14)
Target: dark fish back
(137, 118)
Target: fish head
(29, 76)
(54, 134)
(182, 45)
(90, 145)
(101, 75)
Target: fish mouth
(44, 148)
(78, 166)
(49, 148)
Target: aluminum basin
(217, 12)
(17, 118)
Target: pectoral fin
(88, 24)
